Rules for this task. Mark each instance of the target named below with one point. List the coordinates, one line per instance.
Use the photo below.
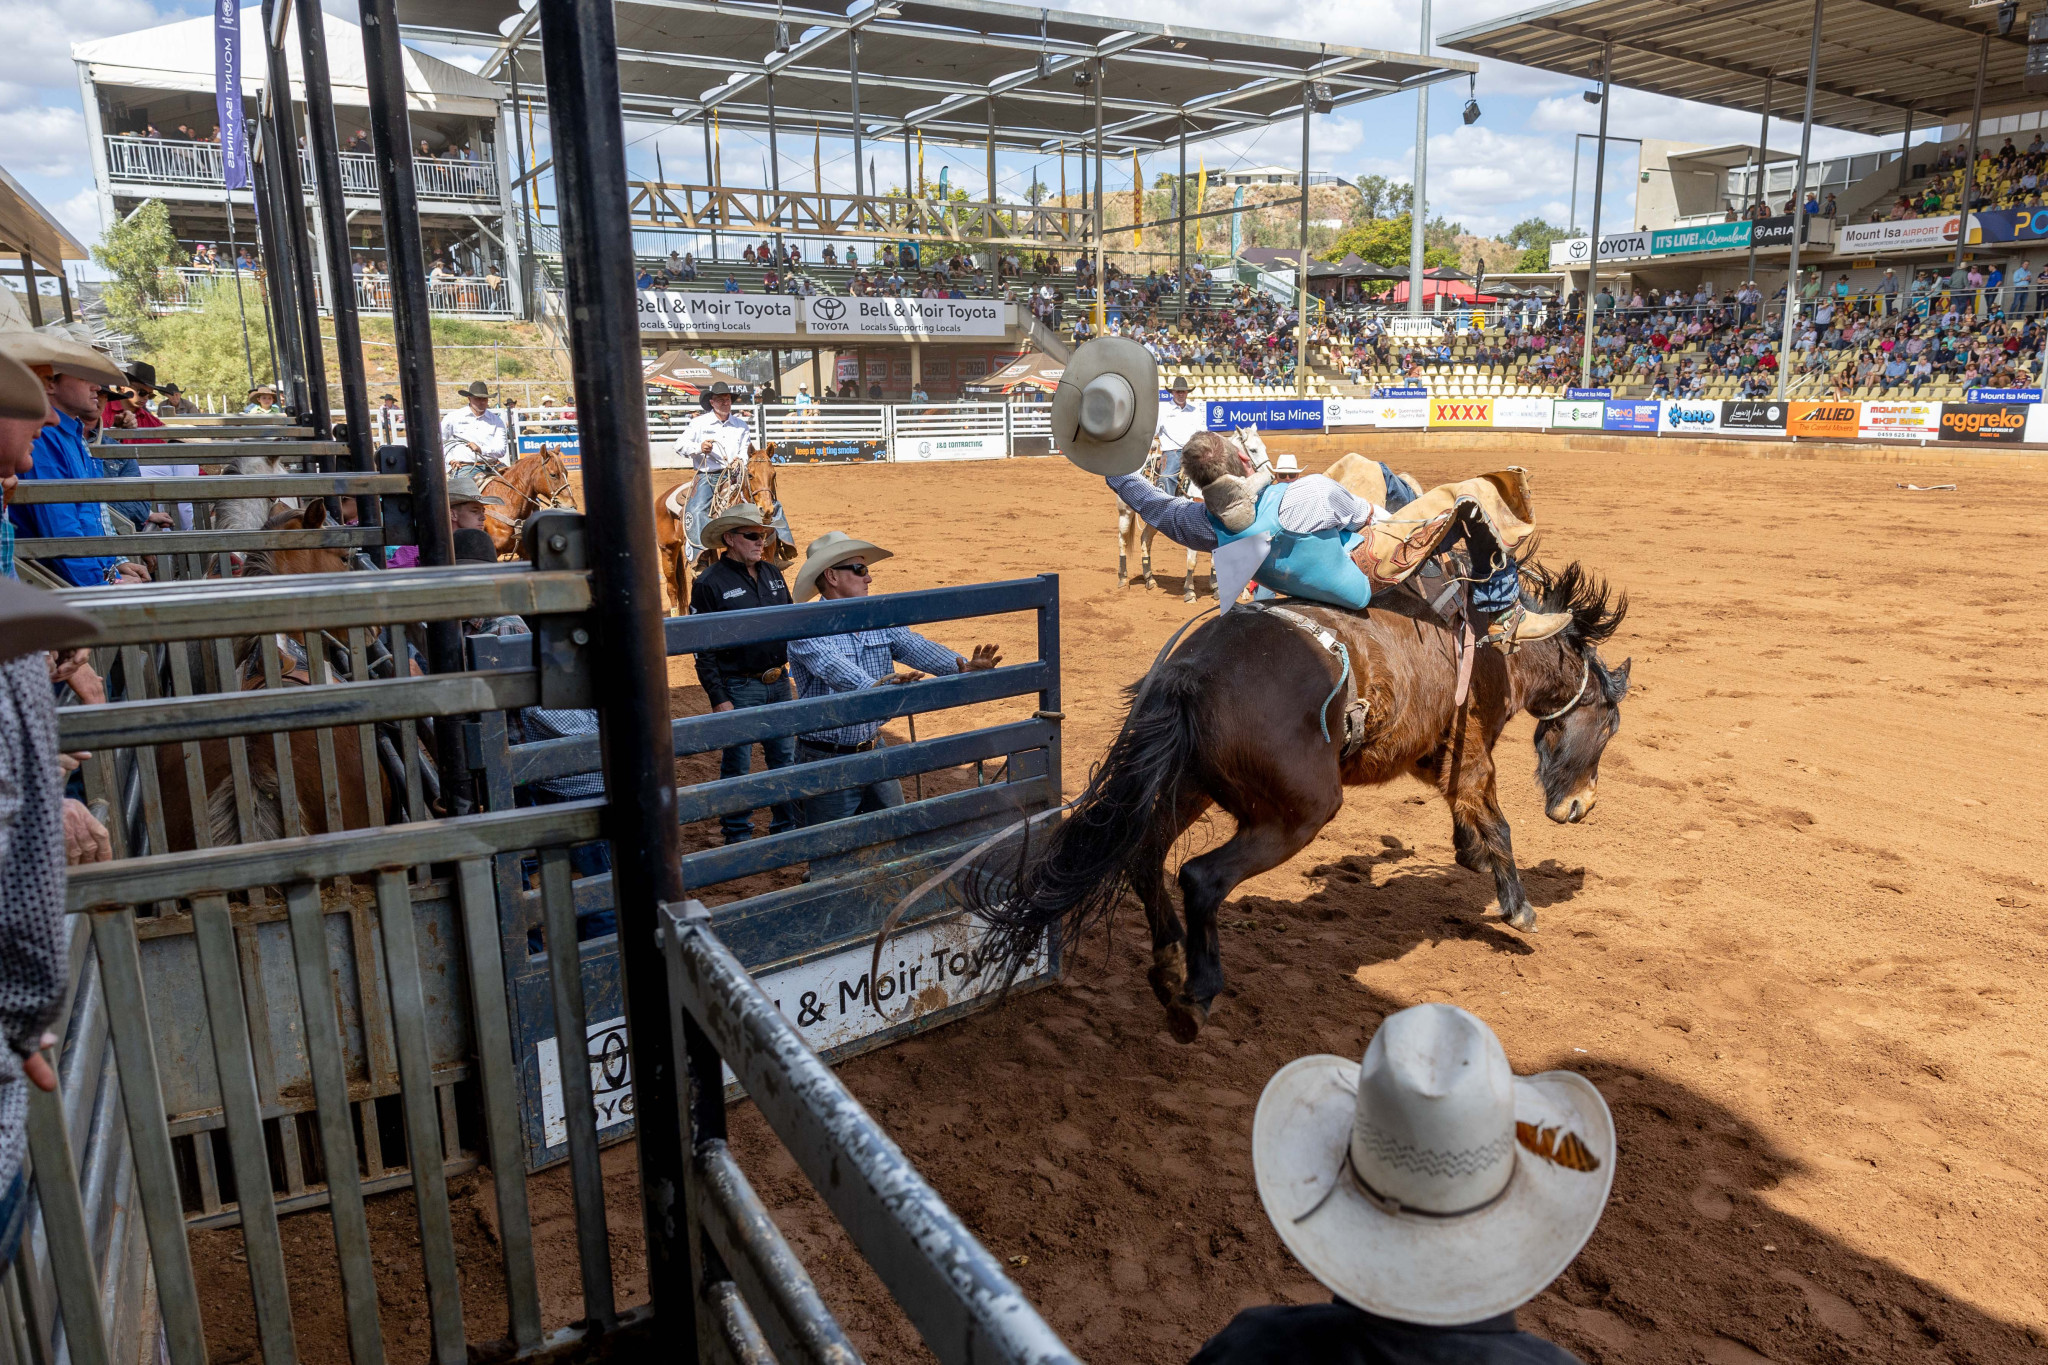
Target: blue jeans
(1168, 480)
(738, 761)
(585, 860)
(696, 511)
(826, 807)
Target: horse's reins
(1585, 676)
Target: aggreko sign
(1461, 412)
(1835, 420)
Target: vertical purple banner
(227, 93)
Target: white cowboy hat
(463, 487)
(1431, 1184)
(826, 551)
(1107, 405)
(1287, 464)
(741, 516)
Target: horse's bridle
(1585, 676)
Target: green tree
(1379, 196)
(1384, 241)
(202, 348)
(1534, 236)
(134, 251)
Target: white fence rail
(172, 161)
(474, 296)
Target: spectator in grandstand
(1388, 1235)
(732, 284)
(1827, 208)
(836, 566)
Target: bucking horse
(1270, 712)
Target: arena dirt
(1800, 947)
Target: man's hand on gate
(85, 838)
(129, 571)
(897, 679)
(723, 706)
(158, 521)
(985, 656)
(36, 1066)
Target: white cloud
(46, 140)
(40, 34)
(81, 213)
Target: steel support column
(405, 262)
(1301, 290)
(291, 224)
(853, 102)
(717, 209)
(1758, 191)
(323, 140)
(64, 289)
(1101, 223)
(774, 169)
(1906, 151)
(35, 296)
(1970, 162)
(579, 46)
(286, 362)
(1180, 200)
(1799, 214)
(1599, 179)
(1418, 200)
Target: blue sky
(1514, 163)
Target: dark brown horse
(1236, 718)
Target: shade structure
(685, 373)
(1036, 370)
(1457, 291)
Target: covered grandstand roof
(1880, 60)
(26, 226)
(939, 65)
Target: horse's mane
(1596, 612)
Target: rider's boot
(1517, 626)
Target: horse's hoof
(1184, 1019)
(1522, 918)
(1150, 581)
(1168, 972)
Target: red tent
(1452, 291)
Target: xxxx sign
(1461, 412)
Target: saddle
(1495, 504)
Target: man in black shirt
(749, 675)
(1431, 1189)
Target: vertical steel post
(269, 283)
(64, 289)
(1599, 176)
(1418, 199)
(992, 148)
(1799, 203)
(1308, 108)
(1101, 223)
(520, 164)
(291, 224)
(1180, 199)
(28, 280)
(717, 206)
(1970, 162)
(853, 99)
(1906, 151)
(286, 336)
(1759, 191)
(411, 330)
(323, 139)
(579, 47)
(774, 166)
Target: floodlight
(1471, 100)
(2007, 13)
(1319, 97)
(1084, 76)
(1591, 97)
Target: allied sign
(1630, 414)
(1279, 414)
(2005, 423)
(2010, 225)
(1835, 420)
(1690, 417)
(687, 314)
(1522, 411)
(1352, 412)
(1907, 421)
(1709, 237)
(1461, 412)
(902, 318)
(1579, 415)
(228, 114)
(1619, 246)
(569, 447)
(1905, 234)
(1752, 414)
(1400, 412)
(1400, 391)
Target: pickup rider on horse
(1314, 538)
(716, 443)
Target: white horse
(248, 514)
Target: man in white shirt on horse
(717, 443)
(474, 433)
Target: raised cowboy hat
(1431, 1184)
(742, 516)
(462, 488)
(1107, 405)
(62, 355)
(32, 619)
(826, 551)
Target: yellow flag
(1201, 197)
(920, 163)
(1137, 204)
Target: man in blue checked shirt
(836, 566)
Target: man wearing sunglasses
(836, 566)
(745, 675)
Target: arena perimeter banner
(1836, 421)
(2005, 423)
(830, 452)
(1908, 421)
(1460, 412)
(916, 319)
(1752, 414)
(1521, 412)
(1630, 414)
(1285, 414)
(675, 313)
(1685, 417)
(1586, 416)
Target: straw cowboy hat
(463, 487)
(1106, 406)
(1431, 1184)
(1287, 464)
(741, 516)
(22, 396)
(32, 620)
(63, 356)
(824, 552)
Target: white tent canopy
(180, 57)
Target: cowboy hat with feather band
(1107, 405)
(1431, 1184)
(743, 516)
(826, 552)
(62, 355)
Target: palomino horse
(1256, 714)
(671, 535)
(534, 482)
(328, 799)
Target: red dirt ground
(1800, 947)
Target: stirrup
(1517, 626)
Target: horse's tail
(1122, 820)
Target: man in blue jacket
(71, 374)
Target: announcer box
(1460, 412)
(2005, 423)
(1834, 421)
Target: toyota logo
(829, 309)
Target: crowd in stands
(2007, 177)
